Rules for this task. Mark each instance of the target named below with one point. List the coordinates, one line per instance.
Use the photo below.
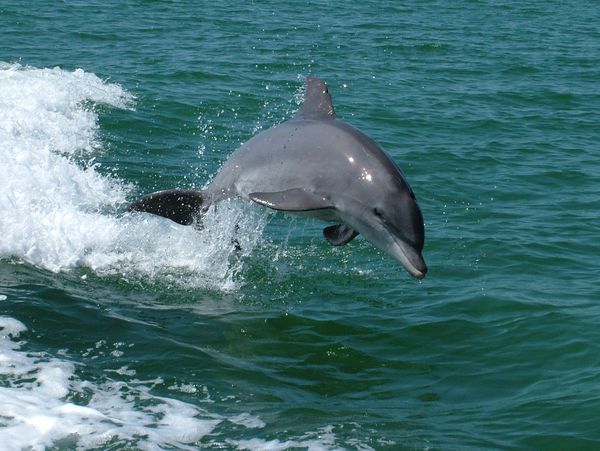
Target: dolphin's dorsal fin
(317, 101)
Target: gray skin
(315, 165)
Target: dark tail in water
(181, 206)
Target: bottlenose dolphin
(318, 165)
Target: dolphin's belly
(328, 215)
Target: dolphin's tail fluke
(181, 206)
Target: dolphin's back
(299, 153)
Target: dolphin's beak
(405, 253)
(410, 258)
(387, 237)
(420, 273)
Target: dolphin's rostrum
(318, 165)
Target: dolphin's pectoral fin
(339, 234)
(181, 206)
(295, 199)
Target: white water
(36, 410)
(58, 212)
(41, 407)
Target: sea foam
(45, 403)
(58, 212)
(37, 411)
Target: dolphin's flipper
(181, 206)
(339, 234)
(295, 199)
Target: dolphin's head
(380, 205)
(392, 223)
(395, 225)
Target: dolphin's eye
(377, 213)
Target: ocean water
(121, 331)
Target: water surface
(127, 331)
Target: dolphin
(317, 165)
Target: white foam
(247, 420)
(58, 212)
(44, 402)
(324, 441)
(36, 411)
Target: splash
(58, 212)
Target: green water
(124, 332)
